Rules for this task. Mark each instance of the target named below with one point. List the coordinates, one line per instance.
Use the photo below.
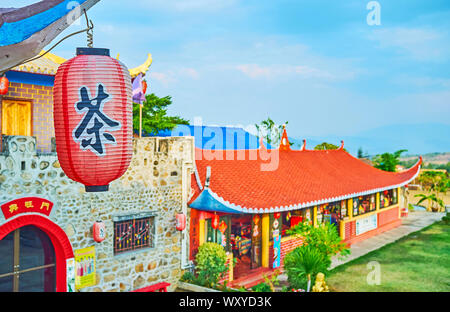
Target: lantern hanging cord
(90, 41)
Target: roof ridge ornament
(342, 145)
(303, 146)
(284, 143)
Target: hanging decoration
(223, 227)
(181, 221)
(4, 85)
(99, 231)
(215, 222)
(93, 118)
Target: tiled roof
(46, 65)
(302, 178)
(49, 63)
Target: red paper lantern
(93, 118)
(215, 222)
(4, 85)
(99, 231)
(181, 221)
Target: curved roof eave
(210, 201)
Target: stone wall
(153, 183)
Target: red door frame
(59, 239)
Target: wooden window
(16, 117)
(133, 232)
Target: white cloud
(423, 44)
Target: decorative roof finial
(303, 146)
(284, 143)
(342, 145)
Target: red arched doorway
(62, 249)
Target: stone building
(47, 220)
(156, 186)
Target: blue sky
(316, 63)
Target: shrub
(261, 287)
(210, 264)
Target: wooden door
(16, 117)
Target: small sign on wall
(366, 224)
(85, 267)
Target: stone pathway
(413, 223)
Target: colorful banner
(276, 243)
(85, 267)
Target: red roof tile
(301, 177)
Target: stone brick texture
(149, 185)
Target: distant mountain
(416, 138)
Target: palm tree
(436, 183)
(270, 131)
(303, 262)
(435, 203)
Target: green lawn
(417, 262)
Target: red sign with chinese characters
(26, 205)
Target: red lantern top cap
(93, 51)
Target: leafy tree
(154, 115)
(360, 153)
(270, 131)
(387, 161)
(326, 146)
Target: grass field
(417, 262)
